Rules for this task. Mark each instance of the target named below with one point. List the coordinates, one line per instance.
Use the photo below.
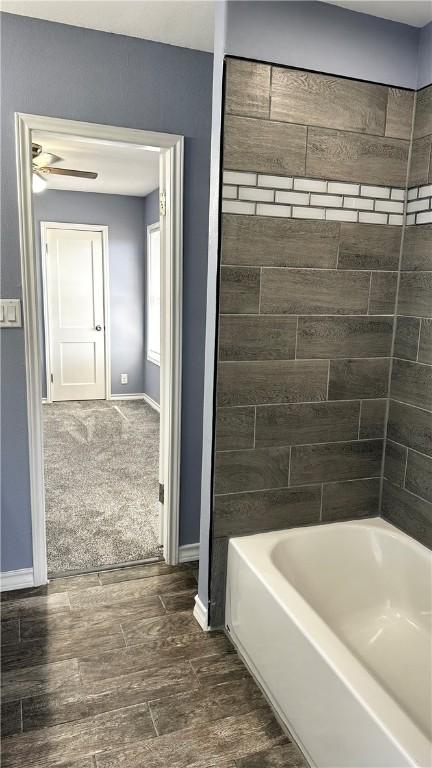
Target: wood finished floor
(111, 670)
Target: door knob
(98, 327)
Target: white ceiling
(121, 170)
(417, 13)
(187, 23)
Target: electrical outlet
(123, 378)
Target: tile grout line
(406, 490)
(123, 635)
(405, 470)
(270, 95)
(297, 486)
(418, 340)
(369, 295)
(152, 719)
(396, 305)
(289, 465)
(328, 380)
(308, 270)
(163, 604)
(406, 448)
(260, 289)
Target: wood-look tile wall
(407, 492)
(306, 309)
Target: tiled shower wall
(315, 171)
(407, 493)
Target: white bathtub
(335, 623)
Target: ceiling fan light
(38, 182)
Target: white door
(75, 304)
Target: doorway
(72, 370)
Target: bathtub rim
(399, 727)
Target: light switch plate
(10, 313)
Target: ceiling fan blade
(46, 158)
(69, 172)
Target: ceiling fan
(43, 163)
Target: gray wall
(151, 371)
(306, 304)
(324, 38)
(82, 74)
(407, 493)
(125, 217)
(424, 76)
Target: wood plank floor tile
(107, 695)
(10, 631)
(180, 601)
(45, 678)
(62, 706)
(152, 654)
(148, 684)
(91, 619)
(107, 595)
(164, 701)
(139, 572)
(62, 645)
(205, 705)
(170, 625)
(205, 747)
(219, 669)
(85, 762)
(66, 584)
(10, 718)
(79, 739)
(41, 605)
(282, 756)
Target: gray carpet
(101, 483)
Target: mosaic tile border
(419, 205)
(304, 198)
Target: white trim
(152, 403)
(118, 396)
(151, 356)
(188, 552)
(201, 614)
(21, 579)
(143, 396)
(171, 182)
(103, 229)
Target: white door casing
(171, 152)
(74, 282)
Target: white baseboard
(142, 396)
(201, 614)
(188, 552)
(16, 579)
(152, 402)
(126, 397)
